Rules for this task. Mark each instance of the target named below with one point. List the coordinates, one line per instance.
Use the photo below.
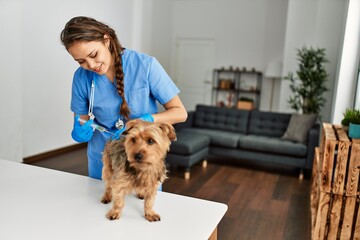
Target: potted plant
(351, 121)
(310, 84)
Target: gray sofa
(243, 135)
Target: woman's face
(94, 56)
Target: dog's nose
(138, 157)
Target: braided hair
(88, 29)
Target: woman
(113, 85)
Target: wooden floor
(263, 203)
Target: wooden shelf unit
(232, 83)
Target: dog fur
(136, 163)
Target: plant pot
(354, 130)
(246, 105)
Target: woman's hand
(82, 133)
(146, 117)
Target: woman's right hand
(82, 133)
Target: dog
(136, 163)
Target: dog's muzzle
(138, 157)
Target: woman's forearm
(175, 112)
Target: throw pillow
(299, 127)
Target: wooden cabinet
(236, 88)
(335, 200)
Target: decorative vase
(354, 130)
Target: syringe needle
(95, 126)
(108, 132)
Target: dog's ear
(169, 130)
(129, 125)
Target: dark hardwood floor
(263, 203)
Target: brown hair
(88, 29)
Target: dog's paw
(106, 199)
(152, 217)
(113, 215)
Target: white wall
(254, 33)
(316, 23)
(36, 70)
(349, 63)
(162, 31)
(48, 68)
(246, 33)
(11, 80)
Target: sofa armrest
(313, 141)
(187, 124)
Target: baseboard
(53, 153)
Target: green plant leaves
(310, 84)
(351, 116)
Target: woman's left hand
(146, 117)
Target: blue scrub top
(145, 82)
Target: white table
(39, 203)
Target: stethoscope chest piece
(119, 124)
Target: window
(357, 92)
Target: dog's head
(147, 143)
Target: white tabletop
(39, 203)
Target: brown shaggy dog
(136, 162)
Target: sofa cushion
(188, 143)
(217, 137)
(299, 126)
(221, 118)
(273, 145)
(268, 123)
(256, 156)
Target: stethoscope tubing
(119, 123)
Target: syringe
(97, 127)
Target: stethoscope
(119, 123)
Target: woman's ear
(107, 40)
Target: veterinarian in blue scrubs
(113, 85)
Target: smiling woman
(98, 59)
(113, 85)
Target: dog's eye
(150, 141)
(133, 140)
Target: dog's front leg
(150, 214)
(118, 204)
(107, 174)
(106, 198)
